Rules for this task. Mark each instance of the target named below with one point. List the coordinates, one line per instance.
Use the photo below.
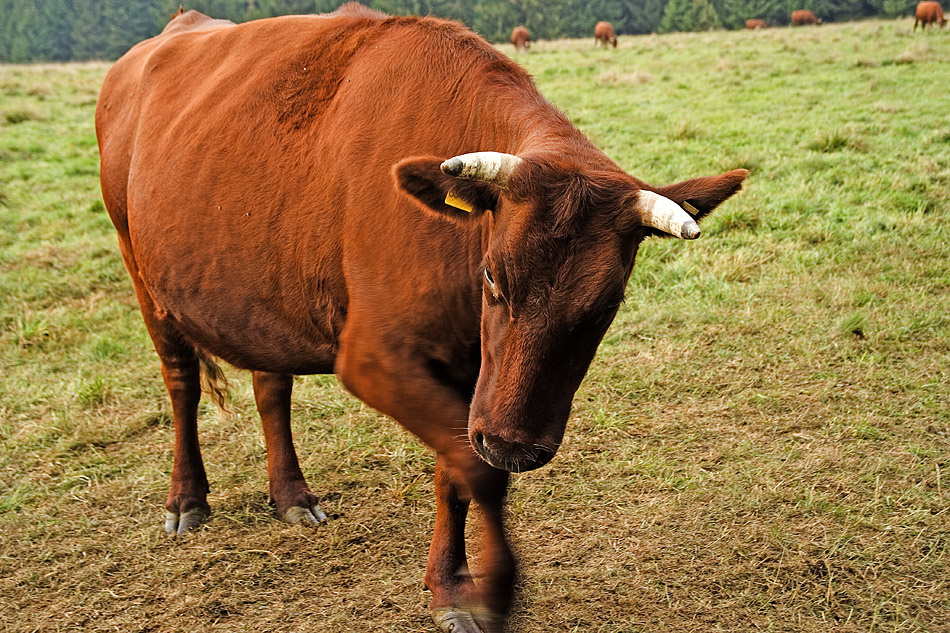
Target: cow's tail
(213, 381)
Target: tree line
(61, 30)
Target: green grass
(761, 444)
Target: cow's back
(603, 30)
(804, 16)
(929, 12)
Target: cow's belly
(248, 329)
(240, 300)
(262, 344)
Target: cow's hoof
(180, 523)
(477, 620)
(299, 514)
(452, 620)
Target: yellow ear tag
(690, 208)
(454, 201)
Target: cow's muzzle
(511, 456)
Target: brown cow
(297, 195)
(521, 38)
(755, 23)
(929, 13)
(604, 34)
(802, 17)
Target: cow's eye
(491, 283)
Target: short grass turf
(761, 444)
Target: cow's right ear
(454, 198)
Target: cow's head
(558, 248)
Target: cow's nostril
(478, 439)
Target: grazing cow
(929, 13)
(604, 34)
(804, 16)
(755, 23)
(521, 38)
(392, 200)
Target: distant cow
(521, 38)
(802, 17)
(929, 13)
(755, 23)
(604, 34)
(389, 199)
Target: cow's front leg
(438, 414)
(288, 488)
(447, 573)
(457, 604)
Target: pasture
(762, 443)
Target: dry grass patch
(21, 115)
(685, 130)
(633, 77)
(884, 106)
(917, 52)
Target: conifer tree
(643, 16)
(89, 31)
(53, 30)
(893, 8)
(689, 15)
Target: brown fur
(802, 17)
(604, 34)
(276, 190)
(520, 38)
(929, 13)
(755, 23)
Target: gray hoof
(473, 620)
(181, 523)
(452, 620)
(299, 514)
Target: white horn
(492, 167)
(667, 216)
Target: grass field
(763, 442)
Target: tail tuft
(213, 381)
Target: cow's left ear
(705, 194)
(454, 198)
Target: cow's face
(553, 278)
(560, 244)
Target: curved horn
(667, 216)
(493, 167)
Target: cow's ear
(704, 194)
(422, 179)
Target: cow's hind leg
(288, 489)
(187, 502)
(187, 505)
